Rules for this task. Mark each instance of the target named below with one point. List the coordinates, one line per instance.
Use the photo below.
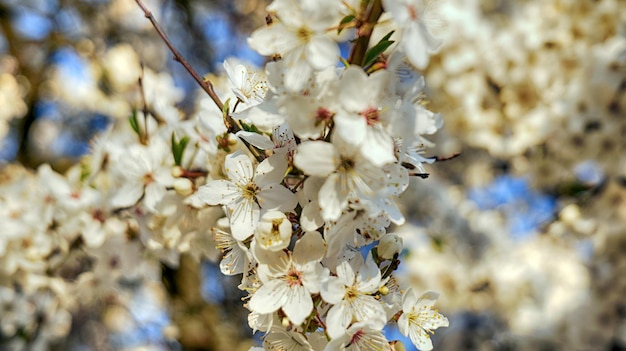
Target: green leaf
(178, 148)
(250, 128)
(134, 124)
(372, 54)
(345, 20)
(226, 108)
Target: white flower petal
(311, 218)
(299, 304)
(311, 247)
(322, 52)
(244, 218)
(277, 197)
(333, 198)
(317, 158)
(352, 128)
(239, 168)
(338, 320)
(218, 192)
(128, 194)
(261, 141)
(353, 81)
(378, 147)
(345, 273)
(272, 39)
(270, 297)
(271, 170)
(153, 194)
(333, 290)
(299, 71)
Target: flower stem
(206, 85)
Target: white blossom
(290, 279)
(248, 191)
(420, 318)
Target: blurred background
(523, 234)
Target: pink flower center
(323, 115)
(356, 337)
(371, 115)
(293, 277)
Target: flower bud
(389, 245)
(274, 231)
(183, 186)
(177, 171)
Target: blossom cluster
(532, 89)
(522, 79)
(292, 182)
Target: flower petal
(239, 169)
(244, 218)
(217, 192)
(299, 304)
(322, 52)
(317, 158)
(311, 247)
(338, 320)
(277, 197)
(270, 297)
(271, 170)
(333, 198)
(261, 141)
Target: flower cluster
(321, 155)
(531, 88)
(539, 83)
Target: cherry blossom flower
(366, 108)
(417, 41)
(420, 318)
(249, 86)
(144, 175)
(289, 279)
(248, 191)
(299, 36)
(347, 173)
(351, 294)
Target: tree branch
(364, 30)
(206, 85)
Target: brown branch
(206, 85)
(364, 30)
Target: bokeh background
(523, 233)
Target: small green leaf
(345, 20)
(226, 108)
(178, 148)
(373, 53)
(134, 124)
(85, 171)
(250, 128)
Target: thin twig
(206, 85)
